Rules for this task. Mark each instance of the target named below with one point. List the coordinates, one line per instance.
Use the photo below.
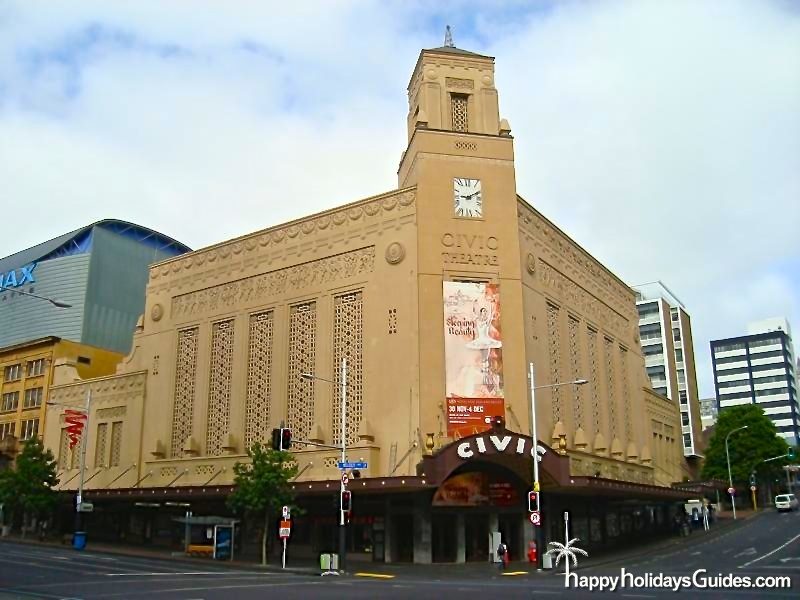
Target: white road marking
(746, 552)
(781, 547)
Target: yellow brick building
(28, 370)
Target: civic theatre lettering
(507, 444)
(466, 249)
(18, 277)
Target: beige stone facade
(228, 329)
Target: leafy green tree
(27, 489)
(748, 447)
(262, 486)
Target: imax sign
(18, 277)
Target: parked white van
(786, 502)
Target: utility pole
(82, 470)
(342, 525)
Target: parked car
(786, 502)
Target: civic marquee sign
(18, 277)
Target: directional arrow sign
(747, 552)
(352, 465)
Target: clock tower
(460, 157)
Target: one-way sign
(352, 465)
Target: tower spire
(448, 38)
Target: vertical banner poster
(473, 349)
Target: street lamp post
(54, 302)
(342, 521)
(82, 470)
(730, 477)
(539, 529)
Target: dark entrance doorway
(445, 538)
(476, 537)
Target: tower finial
(448, 38)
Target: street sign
(285, 512)
(85, 507)
(344, 479)
(352, 465)
(731, 491)
(285, 529)
(535, 518)
(536, 486)
(752, 488)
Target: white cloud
(664, 136)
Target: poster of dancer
(473, 356)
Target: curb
(689, 542)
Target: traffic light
(286, 438)
(791, 454)
(533, 501)
(346, 504)
(276, 439)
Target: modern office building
(759, 368)
(100, 270)
(665, 333)
(708, 411)
(438, 296)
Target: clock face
(467, 198)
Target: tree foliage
(261, 487)
(28, 487)
(748, 447)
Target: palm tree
(567, 551)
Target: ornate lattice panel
(110, 413)
(612, 392)
(75, 455)
(116, 443)
(348, 339)
(594, 371)
(185, 372)
(259, 378)
(302, 357)
(460, 117)
(554, 358)
(219, 386)
(63, 451)
(626, 396)
(575, 370)
(100, 445)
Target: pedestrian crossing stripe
(375, 575)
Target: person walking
(502, 555)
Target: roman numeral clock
(467, 198)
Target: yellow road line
(516, 573)
(375, 575)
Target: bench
(200, 550)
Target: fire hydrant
(532, 552)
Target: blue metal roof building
(101, 270)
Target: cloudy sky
(663, 136)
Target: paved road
(765, 546)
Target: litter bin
(547, 561)
(325, 562)
(79, 540)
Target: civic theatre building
(437, 295)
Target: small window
(6, 429)
(459, 112)
(30, 429)
(679, 355)
(33, 397)
(10, 401)
(676, 335)
(12, 372)
(682, 396)
(687, 440)
(35, 367)
(84, 360)
(684, 419)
